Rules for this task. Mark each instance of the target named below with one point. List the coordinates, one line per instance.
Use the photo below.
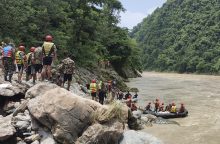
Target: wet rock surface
(6, 128)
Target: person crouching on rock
(93, 89)
(68, 67)
(30, 71)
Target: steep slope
(181, 36)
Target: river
(201, 96)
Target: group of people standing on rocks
(159, 107)
(37, 61)
(101, 90)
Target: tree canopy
(182, 36)
(85, 29)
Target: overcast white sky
(136, 10)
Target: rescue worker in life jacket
(173, 108)
(93, 89)
(49, 54)
(8, 55)
(20, 61)
(31, 72)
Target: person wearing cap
(49, 54)
(182, 108)
(93, 89)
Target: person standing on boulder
(20, 58)
(30, 71)
(66, 68)
(93, 89)
(49, 54)
(38, 61)
(8, 55)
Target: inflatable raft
(167, 115)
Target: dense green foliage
(86, 29)
(182, 36)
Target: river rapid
(201, 96)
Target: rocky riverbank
(48, 114)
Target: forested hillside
(86, 29)
(182, 36)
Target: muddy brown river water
(201, 96)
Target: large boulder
(64, 113)
(9, 90)
(137, 137)
(39, 89)
(102, 134)
(6, 128)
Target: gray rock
(64, 113)
(36, 142)
(32, 138)
(137, 114)
(22, 125)
(6, 129)
(102, 134)
(39, 89)
(21, 142)
(137, 137)
(47, 137)
(9, 90)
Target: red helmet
(93, 81)
(49, 38)
(21, 48)
(32, 49)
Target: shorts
(47, 60)
(93, 94)
(20, 68)
(67, 77)
(38, 68)
(31, 70)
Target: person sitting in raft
(135, 96)
(173, 108)
(133, 107)
(148, 107)
(156, 105)
(161, 108)
(168, 107)
(182, 108)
